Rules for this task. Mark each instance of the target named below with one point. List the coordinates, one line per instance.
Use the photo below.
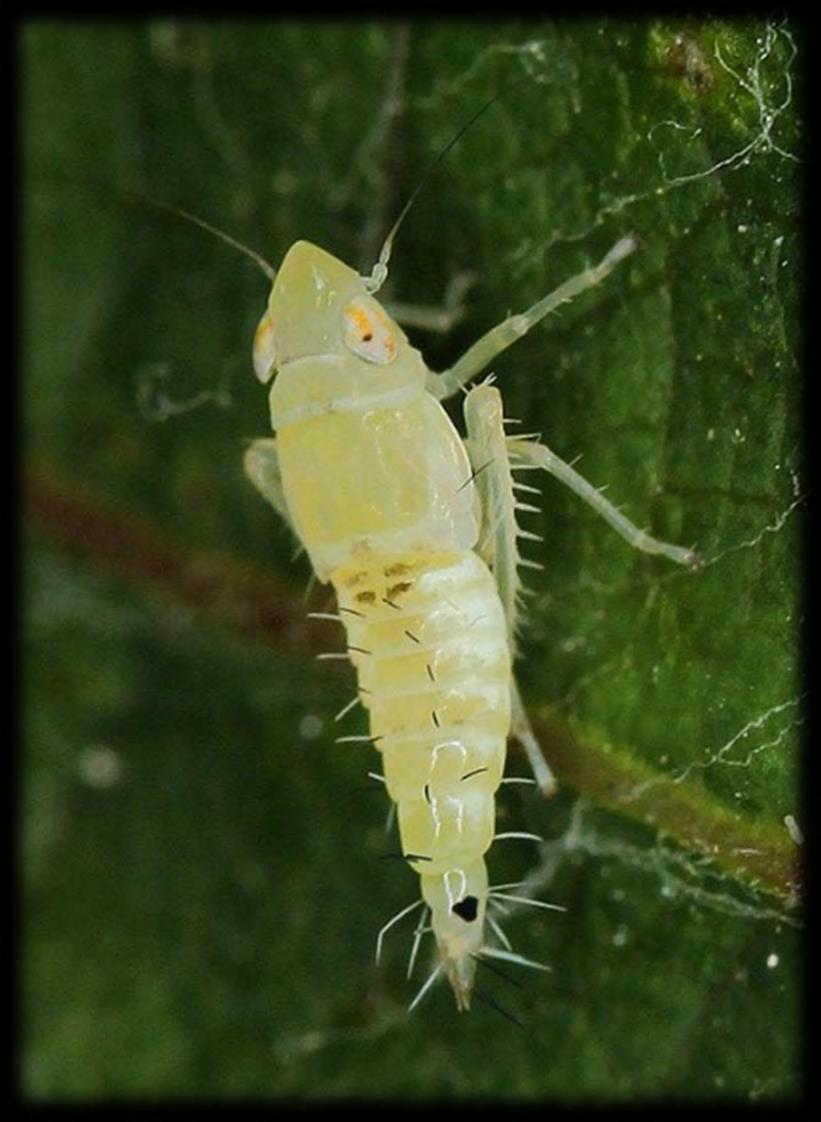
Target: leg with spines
(525, 453)
(478, 357)
(487, 448)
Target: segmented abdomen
(427, 635)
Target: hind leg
(487, 448)
(522, 731)
(530, 454)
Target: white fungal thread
(722, 755)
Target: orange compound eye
(265, 355)
(369, 332)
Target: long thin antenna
(257, 258)
(138, 198)
(379, 272)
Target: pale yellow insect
(415, 529)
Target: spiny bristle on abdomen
(428, 638)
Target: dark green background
(202, 886)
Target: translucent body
(436, 682)
(378, 487)
(375, 480)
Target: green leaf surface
(202, 882)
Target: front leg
(493, 342)
(435, 317)
(261, 465)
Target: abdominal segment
(428, 638)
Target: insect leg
(539, 455)
(435, 317)
(487, 448)
(262, 468)
(522, 731)
(493, 342)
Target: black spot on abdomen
(467, 909)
